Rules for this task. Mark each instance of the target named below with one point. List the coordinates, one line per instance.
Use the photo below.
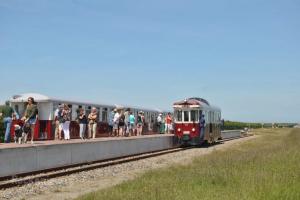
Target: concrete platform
(18, 159)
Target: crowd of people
(121, 122)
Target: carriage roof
(195, 102)
(39, 98)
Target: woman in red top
(168, 122)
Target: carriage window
(186, 116)
(104, 114)
(194, 115)
(88, 110)
(17, 109)
(178, 115)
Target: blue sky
(242, 56)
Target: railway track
(27, 178)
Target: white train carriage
(47, 107)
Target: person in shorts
(31, 116)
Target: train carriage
(197, 122)
(47, 106)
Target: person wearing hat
(159, 122)
(6, 114)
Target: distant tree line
(232, 125)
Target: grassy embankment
(265, 168)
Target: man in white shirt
(159, 122)
(116, 123)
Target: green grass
(265, 168)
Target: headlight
(179, 130)
(193, 129)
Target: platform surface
(42, 155)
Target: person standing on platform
(168, 122)
(122, 124)
(93, 116)
(6, 114)
(131, 124)
(66, 119)
(159, 122)
(126, 121)
(140, 124)
(58, 123)
(31, 116)
(116, 123)
(111, 122)
(82, 120)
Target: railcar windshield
(178, 115)
(194, 115)
(186, 116)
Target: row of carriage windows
(194, 116)
(103, 112)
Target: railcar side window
(194, 115)
(104, 114)
(178, 115)
(186, 116)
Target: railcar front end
(196, 122)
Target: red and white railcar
(196, 121)
(47, 106)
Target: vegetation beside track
(231, 125)
(264, 168)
